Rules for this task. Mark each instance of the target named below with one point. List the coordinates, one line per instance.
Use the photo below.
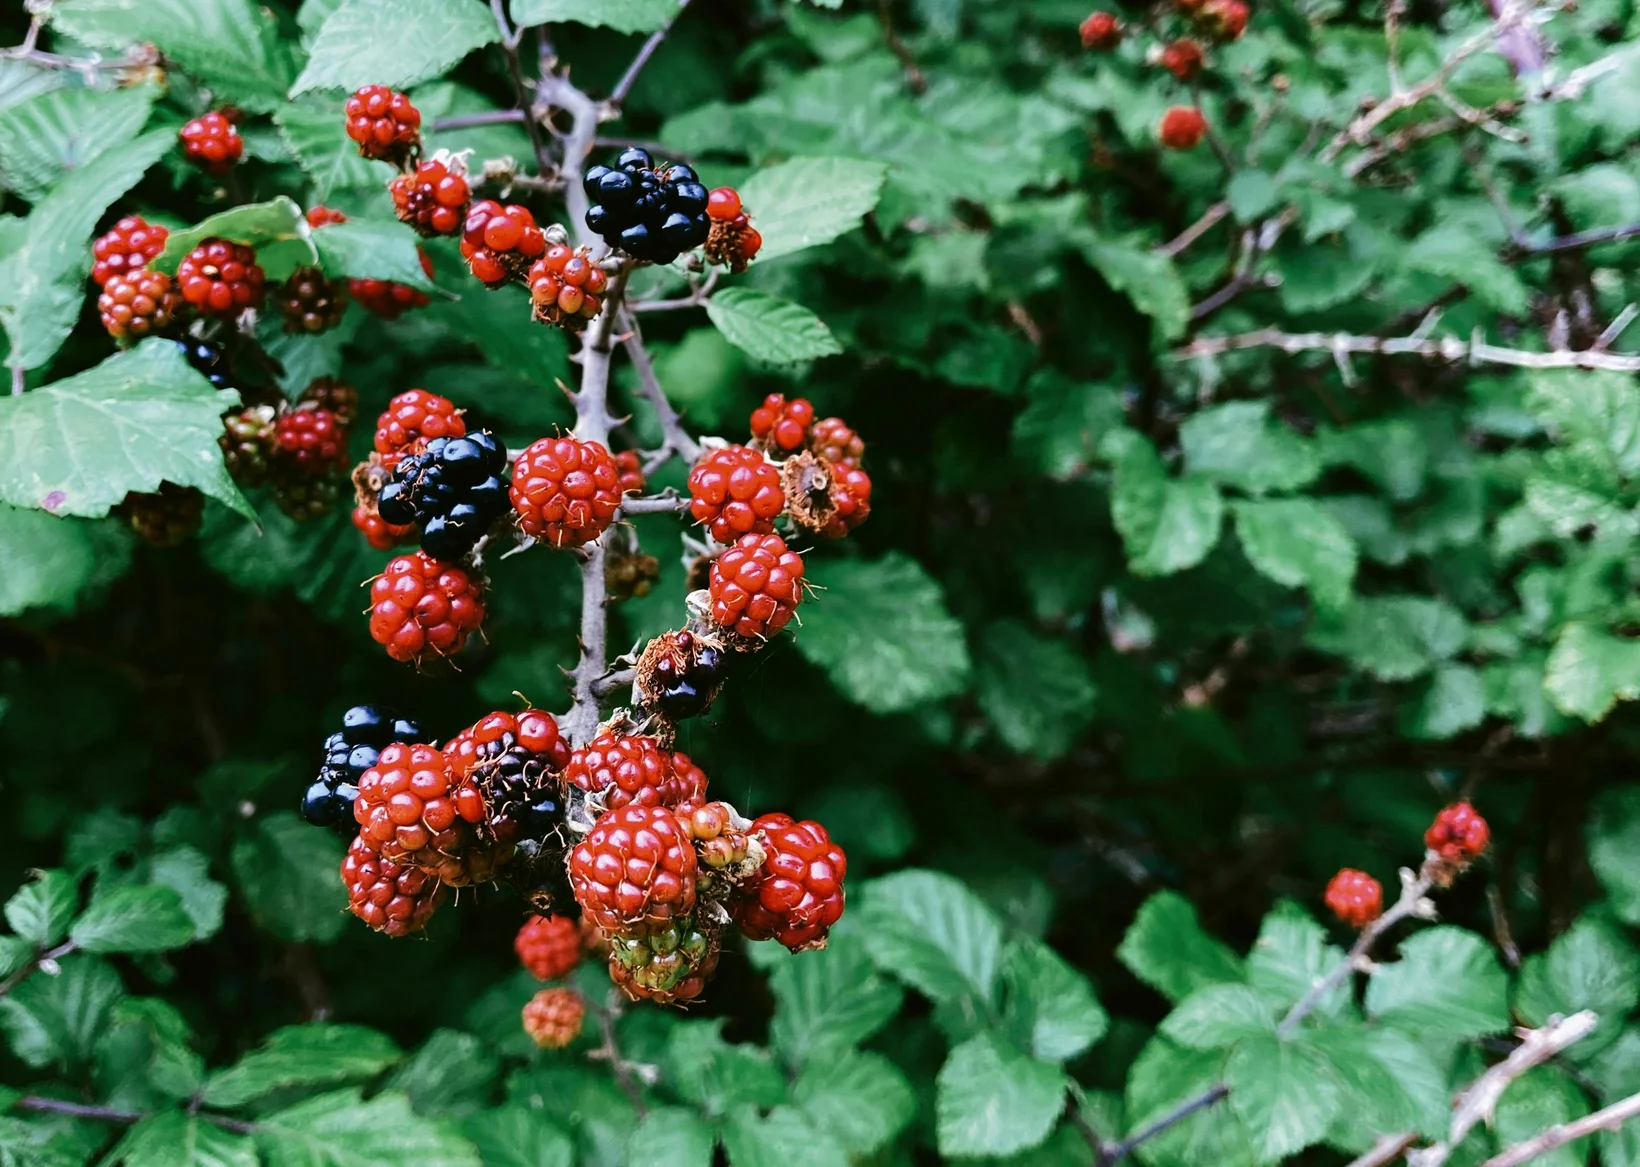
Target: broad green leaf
(1454, 701)
(1453, 251)
(59, 1019)
(288, 874)
(133, 919)
(1591, 411)
(1592, 965)
(1167, 948)
(394, 42)
(829, 1000)
(171, 1065)
(142, 417)
(770, 329)
(174, 1139)
(1163, 1078)
(1037, 691)
(302, 1055)
(1218, 1016)
(719, 1076)
(15, 952)
(1290, 955)
(803, 202)
(671, 1135)
(22, 81)
(41, 910)
(1389, 1081)
(861, 1100)
(1060, 430)
(1395, 638)
(882, 632)
(56, 563)
(1051, 1008)
(372, 249)
(1238, 445)
(990, 1099)
(1614, 849)
(1447, 981)
(1590, 670)
(1285, 1093)
(521, 1136)
(1252, 194)
(341, 1129)
(313, 128)
(784, 1137)
(620, 15)
(231, 45)
(1296, 542)
(186, 871)
(1167, 524)
(276, 230)
(450, 1074)
(62, 130)
(1148, 279)
(928, 929)
(1393, 452)
(1536, 1101)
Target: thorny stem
(489, 117)
(120, 1117)
(1559, 1135)
(509, 47)
(1119, 1151)
(1195, 231)
(1474, 351)
(694, 299)
(610, 1051)
(623, 87)
(32, 966)
(659, 504)
(676, 439)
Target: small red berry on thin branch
(1355, 897)
(1183, 127)
(212, 143)
(1455, 839)
(1183, 58)
(1101, 32)
(1223, 20)
(553, 1017)
(549, 946)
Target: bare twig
(48, 956)
(1474, 351)
(610, 1051)
(1119, 1151)
(19, 379)
(623, 87)
(1195, 231)
(1386, 1150)
(675, 439)
(489, 117)
(1560, 1134)
(1584, 239)
(509, 47)
(915, 79)
(694, 299)
(108, 1114)
(659, 504)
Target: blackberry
(688, 682)
(349, 752)
(649, 212)
(453, 490)
(206, 358)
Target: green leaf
(341, 1129)
(1454, 701)
(1285, 1093)
(133, 919)
(302, 1055)
(520, 1136)
(372, 249)
(15, 952)
(1591, 412)
(620, 15)
(770, 329)
(1164, 1077)
(57, 563)
(1238, 445)
(1037, 692)
(1589, 671)
(288, 874)
(1252, 195)
(673, 1136)
(719, 1076)
(1167, 524)
(41, 910)
(1218, 1016)
(277, 230)
(1591, 965)
(1060, 430)
(231, 45)
(1395, 638)
(1148, 279)
(803, 202)
(1296, 542)
(59, 1019)
(861, 1100)
(1447, 981)
(451, 1074)
(1460, 255)
(1613, 848)
(1167, 948)
(186, 871)
(990, 1099)
(881, 631)
(1536, 1101)
(394, 42)
(1390, 1082)
(1051, 1008)
(43, 139)
(930, 930)
(140, 418)
(174, 1139)
(785, 1137)
(1290, 955)
(829, 1000)
(313, 128)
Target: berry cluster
(565, 492)
(221, 278)
(126, 249)
(453, 489)
(138, 304)
(298, 448)
(349, 752)
(384, 124)
(433, 198)
(420, 604)
(565, 287)
(1183, 127)
(553, 1017)
(731, 240)
(212, 142)
(500, 242)
(1456, 838)
(311, 303)
(651, 213)
(168, 517)
(1355, 897)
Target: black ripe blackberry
(649, 212)
(349, 752)
(688, 684)
(453, 490)
(206, 358)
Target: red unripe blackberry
(691, 783)
(1458, 834)
(626, 771)
(549, 946)
(127, 248)
(384, 124)
(534, 729)
(629, 471)
(1224, 20)
(723, 204)
(1101, 32)
(311, 303)
(413, 810)
(419, 605)
(730, 239)
(324, 217)
(851, 498)
(388, 300)
(782, 425)
(337, 396)
(167, 518)
(565, 287)
(797, 895)
(434, 199)
(1184, 59)
(1355, 897)
(138, 304)
(247, 440)
(394, 898)
(553, 1017)
(1183, 127)
(415, 416)
(212, 143)
(382, 535)
(735, 491)
(834, 442)
(500, 242)
(220, 278)
(756, 586)
(310, 439)
(565, 491)
(635, 868)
